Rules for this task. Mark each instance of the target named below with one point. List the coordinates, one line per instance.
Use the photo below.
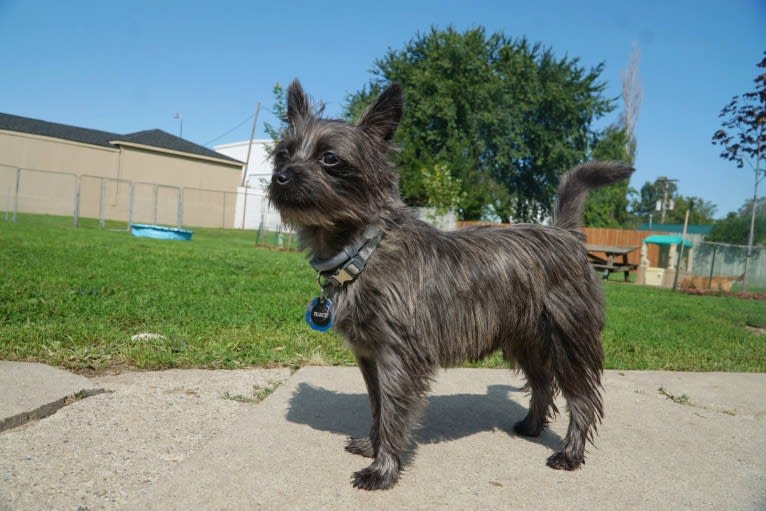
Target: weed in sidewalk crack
(258, 394)
(683, 399)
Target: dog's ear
(382, 117)
(297, 103)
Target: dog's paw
(529, 427)
(559, 461)
(361, 446)
(372, 479)
(381, 475)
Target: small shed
(664, 274)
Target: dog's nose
(280, 178)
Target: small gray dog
(409, 298)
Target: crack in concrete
(46, 410)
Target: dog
(408, 298)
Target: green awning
(666, 239)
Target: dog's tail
(575, 184)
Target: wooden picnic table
(611, 263)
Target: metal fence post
(712, 265)
(244, 209)
(260, 230)
(223, 212)
(76, 212)
(130, 203)
(101, 204)
(154, 205)
(180, 211)
(16, 196)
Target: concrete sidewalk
(169, 441)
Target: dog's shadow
(446, 418)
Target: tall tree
(632, 96)
(649, 202)
(735, 227)
(506, 116)
(701, 212)
(743, 140)
(662, 191)
(607, 206)
(280, 110)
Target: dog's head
(331, 174)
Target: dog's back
(491, 287)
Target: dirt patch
(745, 295)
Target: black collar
(347, 264)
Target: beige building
(147, 177)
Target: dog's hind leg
(578, 375)
(368, 446)
(540, 384)
(582, 425)
(403, 388)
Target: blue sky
(128, 66)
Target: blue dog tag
(319, 314)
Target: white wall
(253, 208)
(259, 166)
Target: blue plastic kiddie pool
(159, 232)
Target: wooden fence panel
(610, 237)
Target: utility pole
(664, 206)
(681, 248)
(247, 163)
(250, 145)
(180, 117)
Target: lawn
(75, 297)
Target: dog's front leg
(368, 446)
(402, 394)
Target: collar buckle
(346, 266)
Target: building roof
(151, 138)
(667, 239)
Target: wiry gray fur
(429, 298)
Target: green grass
(74, 297)
(651, 328)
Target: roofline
(232, 163)
(17, 133)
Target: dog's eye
(329, 159)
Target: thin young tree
(632, 95)
(743, 140)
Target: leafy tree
(645, 203)
(442, 189)
(507, 117)
(280, 110)
(735, 227)
(747, 207)
(700, 211)
(743, 140)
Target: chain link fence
(722, 266)
(117, 203)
